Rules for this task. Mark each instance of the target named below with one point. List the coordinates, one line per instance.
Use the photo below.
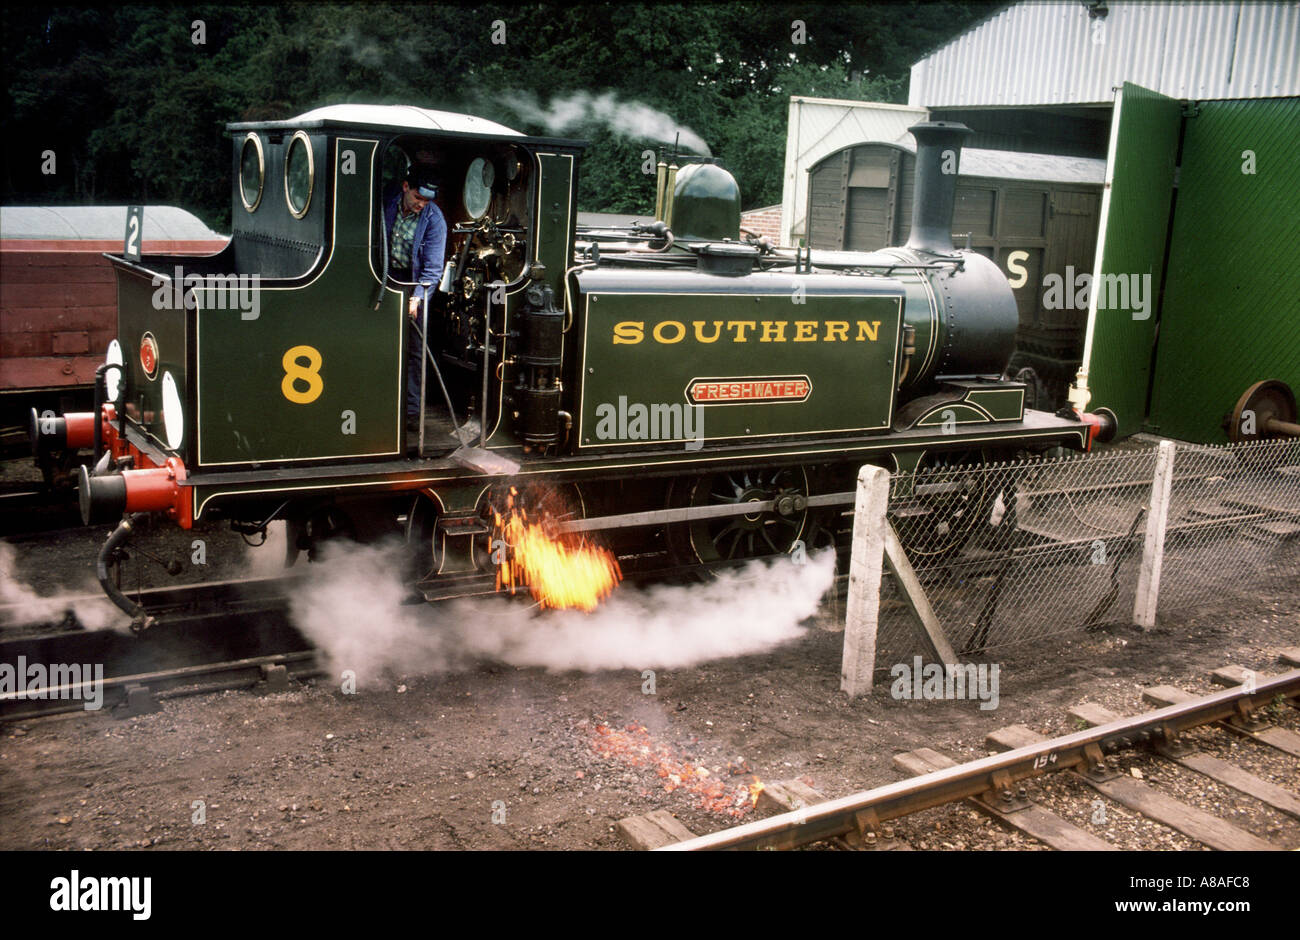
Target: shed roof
(1038, 53)
(1016, 165)
(612, 219)
(169, 223)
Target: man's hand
(413, 308)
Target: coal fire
(560, 571)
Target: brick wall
(765, 221)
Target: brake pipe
(140, 620)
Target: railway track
(215, 636)
(991, 785)
(237, 635)
(28, 507)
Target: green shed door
(1126, 276)
(1231, 313)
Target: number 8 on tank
(294, 372)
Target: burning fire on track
(559, 571)
(634, 747)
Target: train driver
(417, 240)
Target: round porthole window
(299, 175)
(252, 171)
(478, 187)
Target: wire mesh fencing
(1017, 551)
(1234, 523)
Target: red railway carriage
(58, 299)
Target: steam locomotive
(673, 382)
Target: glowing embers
(634, 747)
(559, 571)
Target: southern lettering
(668, 332)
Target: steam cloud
(351, 608)
(627, 118)
(20, 604)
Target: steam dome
(706, 203)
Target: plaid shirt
(402, 236)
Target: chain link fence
(1018, 551)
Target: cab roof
(401, 118)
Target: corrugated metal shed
(1059, 53)
(1013, 165)
(168, 223)
(820, 126)
(1007, 164)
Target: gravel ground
(495, 756)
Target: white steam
(266, 560)
(351, 607)
(19, 604)
(626, 118)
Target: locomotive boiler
(676, 386)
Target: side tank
(773, 345)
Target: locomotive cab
(289, 346)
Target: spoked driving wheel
(745, 535)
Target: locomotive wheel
(936, 523)
(421, 529)
(326, 524)
(750, 535)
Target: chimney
(938, 147)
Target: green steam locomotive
(677, 384)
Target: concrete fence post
(1153, 550)
(862, 612)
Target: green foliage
(135, 110)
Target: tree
(135, 108)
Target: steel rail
(867, 809)
(170, 597)
(109, 647)
(1228, 473)
(162, 684)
